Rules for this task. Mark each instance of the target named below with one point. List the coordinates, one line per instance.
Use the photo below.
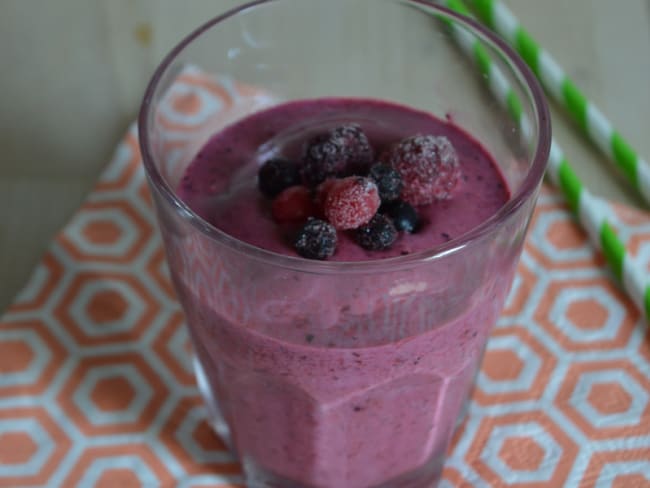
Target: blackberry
(334, 152)
(276, 175)
(377, 235)
(403, 215)
(316, 240)
(388, 180)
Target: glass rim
(525, 190)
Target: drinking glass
(330, 374)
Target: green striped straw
(592, 121)
(590, 210)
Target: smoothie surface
(220, 184)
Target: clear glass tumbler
(344, 375)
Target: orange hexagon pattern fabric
(96, 383)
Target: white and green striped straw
(589, 117)
(588, 209)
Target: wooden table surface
(73, 73)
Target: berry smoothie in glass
(342, 253)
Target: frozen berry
(294, 203)
(377, 235)
(351, 202)
(332, 153)
(276, 175)
(428, 166)
(320, 194)
(316, 240)
(388, 181)
(403, 215)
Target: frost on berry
(334, 152)
(428, 166)
(351, 202)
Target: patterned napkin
(96, 385)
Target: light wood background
(72, 73)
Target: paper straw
(589, 117)
(589, 209)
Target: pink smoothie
(220, 184)
(338, 381)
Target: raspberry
(276, 175)
(377, 235)
(320, 195)
(351, 202)
(334, 153)
(388, 181)
(316, 240)
(428, 166)
(403, 215)
(294, 203)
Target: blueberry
(403, 215)
(388, 181)
(377, 235)
(276, 175)
(316, 240)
